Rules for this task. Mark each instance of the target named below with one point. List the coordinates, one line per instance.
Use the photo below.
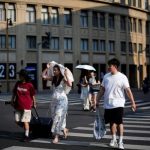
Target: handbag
(95, 87)
(99, 129)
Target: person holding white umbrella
(84, 78)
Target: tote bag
(99, 129)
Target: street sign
(12, 71)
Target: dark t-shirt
(24, 95)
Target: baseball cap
(23, 73)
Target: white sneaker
(113, 143)
(121, 145)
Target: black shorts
(93, 91)
(114, 115)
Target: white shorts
(23, 115)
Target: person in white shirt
(113, 86)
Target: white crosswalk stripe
(25, 148)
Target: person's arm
(67, 80)
(99, 95)
(45, 76)
(13, 98)
(131, 98)
(96, 83)
(34, 101)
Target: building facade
(73, 32)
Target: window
(12, 41)
(139, 4)
(67, 43)
(95, 19)
(55, 43)
(134, 48)
(146, 4)
(31, 14)
(95, 45)
(123, 23)
(130, 24)
(54, 16)
(11, 12)
(134, 25)
(122, 2)
(134, 3)
(67, 17)
(111, 21)
(129, 2)
(140, 26)
(130, 48)
(84, 45)
(111, 46)
(102, 46)
(123, 46)
(2, 41)
(45, 15)
(2, 12)
(31, 42)
(147, 28)
(102, 20)
(140, 48)
(84, 19)
(45, 43)
(147, 49)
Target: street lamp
(8, 23)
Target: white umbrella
(86, 67)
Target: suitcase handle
(37, 115)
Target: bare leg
(113, 129)
(26, 125)
(120, 132)
(26, 128)
(90, 100)
(94, 100)
(65, 132)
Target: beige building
(72, 32)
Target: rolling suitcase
(40, 126)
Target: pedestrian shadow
(11, 135)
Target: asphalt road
(80, 124)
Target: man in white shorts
(113, 86)
(23, 115)
(23, 99)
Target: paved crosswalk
(137, 129)
(136, 135)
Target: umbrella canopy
(86, 67)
